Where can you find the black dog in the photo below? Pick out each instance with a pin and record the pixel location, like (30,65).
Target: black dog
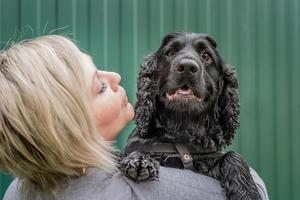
(187,112)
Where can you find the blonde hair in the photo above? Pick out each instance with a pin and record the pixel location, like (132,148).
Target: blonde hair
(47,132)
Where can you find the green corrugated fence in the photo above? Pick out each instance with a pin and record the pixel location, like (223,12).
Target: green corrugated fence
(259,37)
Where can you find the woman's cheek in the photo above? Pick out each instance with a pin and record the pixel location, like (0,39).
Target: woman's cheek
(107,113)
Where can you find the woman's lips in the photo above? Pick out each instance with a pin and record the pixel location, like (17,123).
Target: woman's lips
(125,100)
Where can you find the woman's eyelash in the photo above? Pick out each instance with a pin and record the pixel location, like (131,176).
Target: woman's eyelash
(103,86)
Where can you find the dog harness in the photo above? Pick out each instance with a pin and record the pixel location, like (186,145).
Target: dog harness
(181,149)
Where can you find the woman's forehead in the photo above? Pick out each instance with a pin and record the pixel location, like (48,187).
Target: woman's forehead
(89,68)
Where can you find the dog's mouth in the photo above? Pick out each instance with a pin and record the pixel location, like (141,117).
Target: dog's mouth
(183,92)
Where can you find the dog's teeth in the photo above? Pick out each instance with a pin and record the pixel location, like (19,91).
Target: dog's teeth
(182,91)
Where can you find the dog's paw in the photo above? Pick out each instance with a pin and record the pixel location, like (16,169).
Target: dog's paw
(139,167)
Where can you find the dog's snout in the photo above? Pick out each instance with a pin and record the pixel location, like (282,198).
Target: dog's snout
(187,67)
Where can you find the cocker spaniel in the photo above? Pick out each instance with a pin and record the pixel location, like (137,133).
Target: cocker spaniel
(187,111)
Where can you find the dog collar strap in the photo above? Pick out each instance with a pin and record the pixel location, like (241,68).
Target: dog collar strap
(154,148)
(181,149)
(185,156)
(166,148)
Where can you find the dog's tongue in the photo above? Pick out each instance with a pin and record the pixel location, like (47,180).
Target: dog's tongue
(181,91)
(184,91)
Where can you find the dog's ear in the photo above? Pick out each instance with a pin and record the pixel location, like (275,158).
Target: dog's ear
(145,105)
(228,103)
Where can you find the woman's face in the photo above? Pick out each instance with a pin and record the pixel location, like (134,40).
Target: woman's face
(110,104)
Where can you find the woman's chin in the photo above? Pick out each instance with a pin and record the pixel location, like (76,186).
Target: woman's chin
(130,112)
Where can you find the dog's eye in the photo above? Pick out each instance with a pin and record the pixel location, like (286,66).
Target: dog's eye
(207,57)
(170,52)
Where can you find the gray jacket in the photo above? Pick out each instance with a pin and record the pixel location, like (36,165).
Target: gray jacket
(173,184)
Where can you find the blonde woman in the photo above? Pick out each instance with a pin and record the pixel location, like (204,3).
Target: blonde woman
(56,112)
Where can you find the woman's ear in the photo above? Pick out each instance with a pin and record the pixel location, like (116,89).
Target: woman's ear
(145,105)
(228,103)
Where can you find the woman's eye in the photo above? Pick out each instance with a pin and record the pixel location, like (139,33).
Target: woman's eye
(102,87)
(207,58)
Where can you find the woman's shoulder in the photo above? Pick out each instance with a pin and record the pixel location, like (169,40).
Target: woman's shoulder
(172,184)
(96,184)
(13,191)
(179,184)
(185,184)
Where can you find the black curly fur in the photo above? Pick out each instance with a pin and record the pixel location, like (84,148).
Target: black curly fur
(206,127)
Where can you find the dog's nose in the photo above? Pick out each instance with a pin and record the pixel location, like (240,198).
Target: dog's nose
(187,67)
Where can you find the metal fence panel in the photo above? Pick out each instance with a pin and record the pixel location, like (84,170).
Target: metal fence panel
(260,37)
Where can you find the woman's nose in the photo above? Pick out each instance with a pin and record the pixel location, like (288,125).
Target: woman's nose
(114,79)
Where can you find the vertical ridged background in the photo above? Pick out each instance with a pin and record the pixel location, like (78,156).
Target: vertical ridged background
(259,37)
